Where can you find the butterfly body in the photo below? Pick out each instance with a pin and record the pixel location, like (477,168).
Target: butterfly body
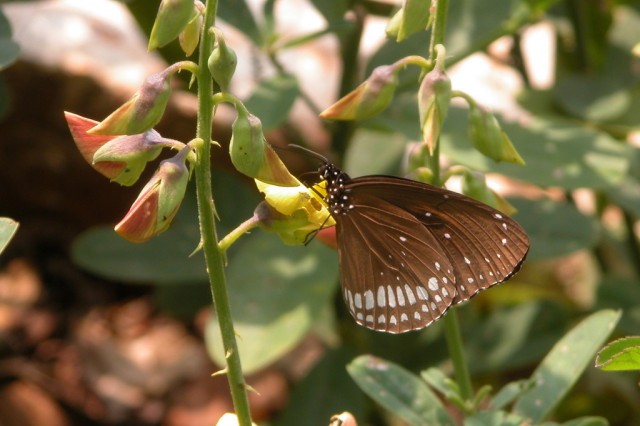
(408,251)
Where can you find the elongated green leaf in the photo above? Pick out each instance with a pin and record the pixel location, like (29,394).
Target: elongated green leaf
(272,100)
(555,229)
(493,418)
(325,391)
(582,421)
(564,364)
(399,391)
(509,393)
(8,228)
(619,355)
(277,292)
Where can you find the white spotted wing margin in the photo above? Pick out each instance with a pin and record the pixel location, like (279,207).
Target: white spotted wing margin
(395,276)
(484,246)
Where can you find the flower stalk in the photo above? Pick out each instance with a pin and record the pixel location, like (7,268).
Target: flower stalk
(213,253)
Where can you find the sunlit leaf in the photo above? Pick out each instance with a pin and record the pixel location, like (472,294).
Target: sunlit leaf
(399,391)
(564,364)
(277,293)
(619,355)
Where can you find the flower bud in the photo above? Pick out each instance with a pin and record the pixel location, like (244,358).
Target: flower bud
(295,212)
(411,18)
(190,36)
(488,137)
(343,419)
(120,158)
(368,99)
(172,18)
(158,202)
(434,96)
(253,156)
(222,62)
(475,186)
(143,111)
(230,419)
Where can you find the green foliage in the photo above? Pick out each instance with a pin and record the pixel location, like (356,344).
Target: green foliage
(410,397)
(573,138)
(277,296)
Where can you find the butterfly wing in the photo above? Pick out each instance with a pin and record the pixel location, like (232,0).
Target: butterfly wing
(483,245)
(394,275)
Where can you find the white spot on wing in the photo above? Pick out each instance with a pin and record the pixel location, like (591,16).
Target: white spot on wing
(417,315)
(403,239)
(393,320)
(368,300)
(381,297)
(404,317)
(400,296)
(358,300)
(410,296)
(422,293)
(433,283)
(391,297)
(382,319)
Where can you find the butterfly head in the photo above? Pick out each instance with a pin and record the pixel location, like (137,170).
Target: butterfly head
(338,194)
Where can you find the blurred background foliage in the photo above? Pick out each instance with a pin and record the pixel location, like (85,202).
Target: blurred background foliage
(578,197)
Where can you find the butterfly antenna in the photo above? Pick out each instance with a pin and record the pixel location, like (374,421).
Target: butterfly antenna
(309,152)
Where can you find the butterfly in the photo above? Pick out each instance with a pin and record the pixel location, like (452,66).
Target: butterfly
(408,251)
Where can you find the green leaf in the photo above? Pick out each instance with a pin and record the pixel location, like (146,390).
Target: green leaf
(272,100)
(371,152)
(555,229)
(413,17)
(166,259)
(493,418)
(238,14)
(594,98)
(399,391)
(509,393)
(564,364)
(9,49)
(620,355)
(626,194)
(513,337)
(8,228)
(556,153)
(325,391)
(582,421)
(621,293)
(277,293)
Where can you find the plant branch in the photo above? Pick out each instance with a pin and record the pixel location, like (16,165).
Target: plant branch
(214,256)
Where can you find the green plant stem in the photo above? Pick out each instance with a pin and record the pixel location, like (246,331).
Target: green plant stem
(452,326)
(456,351)
(214,256)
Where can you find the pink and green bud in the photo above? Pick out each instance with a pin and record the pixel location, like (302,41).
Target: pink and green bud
(293,212)
(475,186)
(488,137)
(158,202)
(253,156)
(222,62)
(411,18)
(368,99)
(172,18)
(143,111)
(434,97)
(190,36)
(120,158)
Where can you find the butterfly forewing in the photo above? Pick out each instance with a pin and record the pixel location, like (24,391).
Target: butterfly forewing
(394,275)
(409,250)
(484,245)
